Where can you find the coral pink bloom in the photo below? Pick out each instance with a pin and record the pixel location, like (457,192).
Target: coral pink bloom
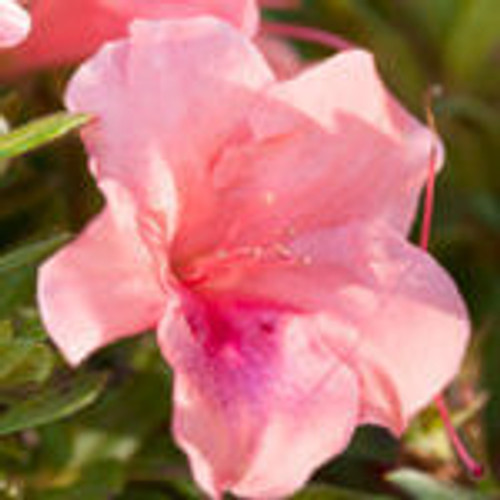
(14,23)
(260,226)
(66,31)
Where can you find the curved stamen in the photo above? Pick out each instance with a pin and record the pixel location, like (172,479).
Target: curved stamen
(307,34)
(431,176)
(474,468)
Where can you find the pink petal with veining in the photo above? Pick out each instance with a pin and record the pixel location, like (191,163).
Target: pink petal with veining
(104,285)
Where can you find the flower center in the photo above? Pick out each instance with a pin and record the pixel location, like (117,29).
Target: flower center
(201,271)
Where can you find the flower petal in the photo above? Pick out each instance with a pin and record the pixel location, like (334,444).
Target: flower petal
(167,99)
(417,338)
(412,326)
(15,24)
(102,286)
(261,396)
(69,31)
(243,14)
(328,147)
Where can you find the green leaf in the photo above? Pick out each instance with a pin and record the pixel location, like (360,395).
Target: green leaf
(31,254)
(423,487)
(17,272)
(17,288)
(28,325)
(25,362)
(39,132)
(26,358)
(53,403)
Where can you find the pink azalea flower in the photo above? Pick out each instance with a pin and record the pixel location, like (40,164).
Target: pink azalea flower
(260,226)
(14,24)
(67,31)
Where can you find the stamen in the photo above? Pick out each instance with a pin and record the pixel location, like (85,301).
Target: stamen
(307,34)
(474,468)
(283,251)
(204,270)
(431,175)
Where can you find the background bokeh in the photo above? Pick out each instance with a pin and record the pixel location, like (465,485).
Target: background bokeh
(102,432)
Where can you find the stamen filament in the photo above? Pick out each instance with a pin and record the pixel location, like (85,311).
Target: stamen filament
(431,178)
(204,270)
(474,468)
(307,34)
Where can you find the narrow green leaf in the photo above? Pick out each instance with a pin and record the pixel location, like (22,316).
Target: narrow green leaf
(423,487)
(17,289)
(26,357)
(31,254)
(12,355)
(39,132)
(53,403)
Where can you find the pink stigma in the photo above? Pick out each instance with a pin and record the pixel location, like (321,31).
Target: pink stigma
(307,34)
(474,468)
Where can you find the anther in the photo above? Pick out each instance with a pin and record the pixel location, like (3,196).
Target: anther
(283,251)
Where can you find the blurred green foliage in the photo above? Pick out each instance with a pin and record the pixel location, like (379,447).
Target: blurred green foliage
(103,431)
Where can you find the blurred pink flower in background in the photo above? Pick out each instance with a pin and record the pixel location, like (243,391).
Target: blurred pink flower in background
(14,24)
(67,31)
(261,227)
